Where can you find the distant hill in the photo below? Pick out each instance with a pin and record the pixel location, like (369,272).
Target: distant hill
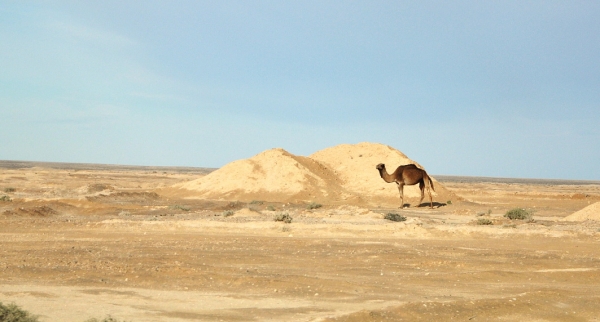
(9,164)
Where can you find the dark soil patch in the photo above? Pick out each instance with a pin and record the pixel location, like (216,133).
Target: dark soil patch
(127,197)
(42,211)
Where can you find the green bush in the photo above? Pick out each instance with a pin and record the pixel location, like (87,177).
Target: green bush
(394,217)
(314,205)
(484,221)
(519,213)
(285,217)
(13,313)
(5,198)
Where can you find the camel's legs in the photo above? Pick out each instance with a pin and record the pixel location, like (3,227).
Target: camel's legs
(428,184)
(422,187)
(401,191)
(430,198)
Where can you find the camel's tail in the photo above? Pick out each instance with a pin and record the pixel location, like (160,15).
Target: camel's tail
(430,181)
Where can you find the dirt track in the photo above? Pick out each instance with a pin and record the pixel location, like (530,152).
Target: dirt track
(81,243)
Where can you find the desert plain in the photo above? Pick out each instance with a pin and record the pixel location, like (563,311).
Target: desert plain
(81,241)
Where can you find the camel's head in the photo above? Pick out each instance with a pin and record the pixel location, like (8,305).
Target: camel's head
(380,167)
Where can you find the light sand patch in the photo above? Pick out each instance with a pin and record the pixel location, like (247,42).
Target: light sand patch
(137,304)
(582,269)
(591,212)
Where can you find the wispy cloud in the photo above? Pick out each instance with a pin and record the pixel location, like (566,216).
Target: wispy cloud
(157,96)
(63,110)
(89,34)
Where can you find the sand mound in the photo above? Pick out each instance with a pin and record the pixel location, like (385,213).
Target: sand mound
(273,175)
(591,212)
(355,165)
(342,174)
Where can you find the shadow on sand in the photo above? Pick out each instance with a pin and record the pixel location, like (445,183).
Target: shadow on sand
(426,204)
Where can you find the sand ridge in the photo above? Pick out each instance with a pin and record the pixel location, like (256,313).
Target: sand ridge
(591,212)
(342,174)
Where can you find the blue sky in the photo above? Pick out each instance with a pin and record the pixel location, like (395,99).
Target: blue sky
(482,88)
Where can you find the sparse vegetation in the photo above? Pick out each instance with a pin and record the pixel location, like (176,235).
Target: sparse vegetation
(97,187)
(256,202)
(235,205)
(270,208)
(108,318)
(228,213)
(255,209)
(5,198)
(394,217)
(9,189)
(449,202)
(314,205)
(181,207)
(285,217)
(13,313)
(124,213)
(519,214)
(484,221)
(483,213)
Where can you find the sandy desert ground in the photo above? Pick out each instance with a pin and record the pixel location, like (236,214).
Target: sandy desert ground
(83,241)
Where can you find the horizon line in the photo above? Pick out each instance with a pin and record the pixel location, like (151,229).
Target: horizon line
(21,164)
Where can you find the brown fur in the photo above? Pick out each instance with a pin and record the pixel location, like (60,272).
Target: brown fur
(408,174)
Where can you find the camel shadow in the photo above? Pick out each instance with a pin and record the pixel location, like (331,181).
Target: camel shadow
(426,204)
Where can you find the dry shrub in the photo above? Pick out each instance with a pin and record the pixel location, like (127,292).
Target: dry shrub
(108,318)
(13,313)
(394,217)
(314,205)
(285,217)
(180,207)
(519,214)
(484,221)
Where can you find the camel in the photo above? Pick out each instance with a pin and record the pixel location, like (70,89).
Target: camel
(408,174)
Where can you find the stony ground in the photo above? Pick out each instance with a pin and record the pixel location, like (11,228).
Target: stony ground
(87,242)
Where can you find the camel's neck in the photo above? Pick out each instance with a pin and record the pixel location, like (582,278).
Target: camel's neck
(386,176)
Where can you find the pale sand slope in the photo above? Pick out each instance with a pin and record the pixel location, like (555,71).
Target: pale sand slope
(591,212)
(273,175)
(354,165)
(341,174)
